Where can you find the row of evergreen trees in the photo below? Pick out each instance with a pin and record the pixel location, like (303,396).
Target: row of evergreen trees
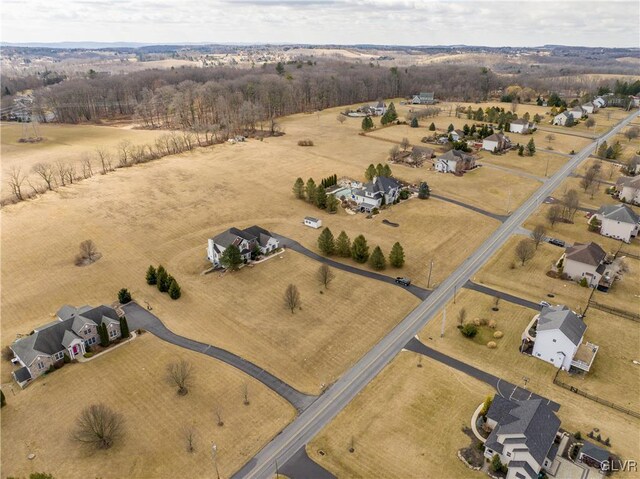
(164,281)
(329,181)
(378,170)
(530,148)
(609,152)
(315,194)
(359,250)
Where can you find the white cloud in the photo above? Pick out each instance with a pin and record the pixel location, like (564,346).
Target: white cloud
(427,22)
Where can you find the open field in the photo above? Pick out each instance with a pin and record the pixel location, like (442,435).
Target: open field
(530,281)
(629,148)
(538,164)
(624,293)
(407,421)
(63,143)
(576,413)
(132,380)
(613,375)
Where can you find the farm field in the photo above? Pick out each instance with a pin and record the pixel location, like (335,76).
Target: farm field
(530,281)
(613,376)
(576,413)
(398,424)
(132,380)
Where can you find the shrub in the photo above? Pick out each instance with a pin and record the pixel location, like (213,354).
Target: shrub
(152,276)
(492,345)
(305,143)
(88,355)
(493,324)
(404,194)
(174,290)
(469,330)
(66,358)
(375,211)
(124,296)
(498,334)
(496,464)
(578,436)
(584,283)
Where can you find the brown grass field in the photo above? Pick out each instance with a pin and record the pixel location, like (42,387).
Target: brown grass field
(407,421)
(576,412)
(132,380)
(538,164)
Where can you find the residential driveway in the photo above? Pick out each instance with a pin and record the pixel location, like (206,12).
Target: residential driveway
(295,246)
(501,218)
(301,466)
(503,296)
(502,387)
(139,318)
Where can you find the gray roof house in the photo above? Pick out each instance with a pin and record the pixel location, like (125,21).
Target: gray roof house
(585,261)
(381,191)
(595,456)
(424,98)
(523,435)
(71,334)
(454,161)
(618,221)
(559,334)
(246,240)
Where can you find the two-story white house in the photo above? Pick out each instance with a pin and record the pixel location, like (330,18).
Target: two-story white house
(617,221)
(496,142)
(590,108)
(600,102)
(520,126)
(584,261)
(561,118)
(523,434)
(71,334)
(248,241)
(558,339)
(381,191)
(454,161)
(628,188)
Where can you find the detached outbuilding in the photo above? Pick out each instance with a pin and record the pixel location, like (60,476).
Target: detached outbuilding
(312,222)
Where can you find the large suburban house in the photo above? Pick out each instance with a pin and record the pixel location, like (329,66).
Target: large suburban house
(419,154)
(523,434)
(628,188)
(558,339)
(600,102)
(590,107)
(381,191)
(70,335)
(496,142)
(377,109)
(617,221)
(247,241)
(584,261)
(561,118)
(424,98)
(577,112)
(454,161)
(521,126)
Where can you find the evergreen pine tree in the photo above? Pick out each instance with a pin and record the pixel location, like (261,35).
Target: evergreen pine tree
(423,191)
(104,335)
(360,250)
(174,290)
(161,276)
(379,169)
(386,171)
(396,257)
(298,189)
(343,245)
(390,115)
(432,127)
(450,128)
(332,204)
(326,243)
(321,197)
(311,190)
(367,123)
(152,276)
(521,150)
(531,147)
(377,260)
(124,296)
(370,173)
(231,258)
(124,327)
(414,122)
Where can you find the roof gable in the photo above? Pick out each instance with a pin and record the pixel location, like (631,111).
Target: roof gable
(620,213)
(562,319)
(591,253)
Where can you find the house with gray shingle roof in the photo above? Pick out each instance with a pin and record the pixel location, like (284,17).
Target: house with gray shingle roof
(248,241)
(71,334)
(628,187)
(523,434)
(617,221)
(382,190)
(454,161)
(584,261)
(595,456)
(561,118)
(558,339)
(424,98)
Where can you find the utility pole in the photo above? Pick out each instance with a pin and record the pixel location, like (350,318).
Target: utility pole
(444,318)
(430,269)
(509,201)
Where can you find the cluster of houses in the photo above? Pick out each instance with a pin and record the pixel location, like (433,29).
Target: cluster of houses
(70,335)
(556,335)
(579,111)
(527,438)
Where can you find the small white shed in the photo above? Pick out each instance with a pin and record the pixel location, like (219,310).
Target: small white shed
(312,222)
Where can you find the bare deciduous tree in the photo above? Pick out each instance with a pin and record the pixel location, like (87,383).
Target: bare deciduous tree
(124,150)
(632,133)
(105,159)
(189,433)
(341,119)
(570,204)
(98,426)
(525,250)
(44,171)
(245,394)
(16,179)
(405,144)
(550,137)
(554,214)
(538,234)
(180,373)
(218,412)
(325,275)
(292,297)
(589,177)
(88,252)
(394,153)
(462,315)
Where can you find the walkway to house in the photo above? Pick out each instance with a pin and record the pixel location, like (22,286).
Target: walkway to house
(421,293)
(81,359)
(495,216)
(502,387)
(474,423)
(301,466)
(139,318)
(502,295)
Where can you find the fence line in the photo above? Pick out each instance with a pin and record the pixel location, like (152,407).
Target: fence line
(616,311)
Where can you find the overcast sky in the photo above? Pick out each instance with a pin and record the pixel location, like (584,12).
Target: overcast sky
(612,23)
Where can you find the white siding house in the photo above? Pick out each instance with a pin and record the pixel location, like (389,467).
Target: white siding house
(628,188)
(454,161)
(561,119)
(381,191)
(247,241)
(584,261)
(497,141)
(520,126)
(618,221)
(590,108)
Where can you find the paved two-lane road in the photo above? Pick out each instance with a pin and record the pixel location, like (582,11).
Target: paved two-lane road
(310,422)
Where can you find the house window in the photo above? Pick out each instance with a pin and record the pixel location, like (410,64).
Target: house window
(58,356)
(113,333)
(40,365)
(509,454)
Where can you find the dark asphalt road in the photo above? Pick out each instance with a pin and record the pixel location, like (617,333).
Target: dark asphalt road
(503,296)
(139,318)
(502,387)
(295,246)
(301,466)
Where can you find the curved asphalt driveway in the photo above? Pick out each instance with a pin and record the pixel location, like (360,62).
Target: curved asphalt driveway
(295,246)
(139,318)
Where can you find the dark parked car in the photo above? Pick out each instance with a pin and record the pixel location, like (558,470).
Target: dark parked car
(403,281)
(556,242)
